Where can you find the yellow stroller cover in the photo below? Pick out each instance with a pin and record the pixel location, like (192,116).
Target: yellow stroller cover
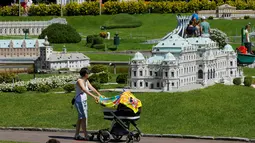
(126,98)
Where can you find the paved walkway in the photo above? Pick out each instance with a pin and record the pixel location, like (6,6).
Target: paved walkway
(66,137)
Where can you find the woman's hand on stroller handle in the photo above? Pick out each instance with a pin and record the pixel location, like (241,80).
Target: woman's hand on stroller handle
(96,98)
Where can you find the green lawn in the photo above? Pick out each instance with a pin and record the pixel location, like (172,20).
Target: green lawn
(154,26)
(219,110)
(249,71)
(108,57)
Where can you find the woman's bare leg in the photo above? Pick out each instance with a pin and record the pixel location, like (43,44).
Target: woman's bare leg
(84,126)
(78,126)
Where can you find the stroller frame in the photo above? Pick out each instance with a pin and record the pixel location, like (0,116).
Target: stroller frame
(119,127)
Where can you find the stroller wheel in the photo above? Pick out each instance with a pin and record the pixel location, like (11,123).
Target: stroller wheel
(117,137)
(129,139)
(104,136)
(137,138)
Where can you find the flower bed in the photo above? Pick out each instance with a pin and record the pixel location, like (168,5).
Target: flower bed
(35,84)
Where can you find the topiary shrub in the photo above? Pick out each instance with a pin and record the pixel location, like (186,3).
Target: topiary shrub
(94,78)
(68,88)
(237,81)
(43,88)
(210,17)
(19,89)
(246,17)
(104,77)
(247,81)
(122,21)
(122,78)
(96,41)
(90,38)
(61,33)
(96,85)
(99,68)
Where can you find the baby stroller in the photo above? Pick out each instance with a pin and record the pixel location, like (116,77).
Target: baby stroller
(121,118)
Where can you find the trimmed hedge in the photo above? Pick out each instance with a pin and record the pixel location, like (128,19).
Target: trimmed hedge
(122,78)
(94,78)
(247,81)
(61,33)
(237,81)
(131,7)
(104,77)
(99,68)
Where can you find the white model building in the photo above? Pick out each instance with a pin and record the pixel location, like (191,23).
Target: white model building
(178,62)
(50,60)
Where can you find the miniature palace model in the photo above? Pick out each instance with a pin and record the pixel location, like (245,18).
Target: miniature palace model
(177,61)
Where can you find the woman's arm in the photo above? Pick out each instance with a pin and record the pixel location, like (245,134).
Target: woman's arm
(81,85)
(93,89)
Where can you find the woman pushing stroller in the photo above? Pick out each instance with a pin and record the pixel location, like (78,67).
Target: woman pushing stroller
(82,87)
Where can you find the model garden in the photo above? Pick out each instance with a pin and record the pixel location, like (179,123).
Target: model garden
(44,102)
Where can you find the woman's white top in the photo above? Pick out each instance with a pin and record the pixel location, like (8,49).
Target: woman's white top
(80,95)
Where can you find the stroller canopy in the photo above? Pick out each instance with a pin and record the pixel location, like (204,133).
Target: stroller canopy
(126,98)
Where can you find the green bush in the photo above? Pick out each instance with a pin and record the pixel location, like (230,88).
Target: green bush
(68,88)
(122,21)
(43,88)
(237,81)
(246,17)
(45,10)
(8,77)
(99,68)
(104,77)
(247,81)
(97,40)
(90,38)
(99,46)
(89,8)
(94,78)
(122,78)
(96,85)
(19,89)
(61,33)
(10,10)
(210,17)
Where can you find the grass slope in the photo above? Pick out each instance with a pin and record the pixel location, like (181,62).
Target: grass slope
(218,111)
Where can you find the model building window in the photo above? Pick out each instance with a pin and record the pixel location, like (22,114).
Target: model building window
(172,74)
(150,73)
(134,84)
(158,84)
(146,84)
(141,73)
(134,73)
(156,73)
(166,74)
(141,84)
(231,63)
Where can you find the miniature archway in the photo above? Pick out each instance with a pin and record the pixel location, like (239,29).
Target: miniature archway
(200,74)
